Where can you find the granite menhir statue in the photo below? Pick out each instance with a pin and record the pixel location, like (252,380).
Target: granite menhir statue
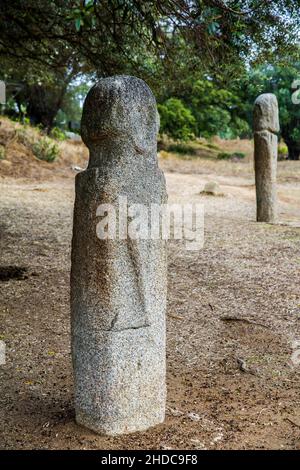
(118,284)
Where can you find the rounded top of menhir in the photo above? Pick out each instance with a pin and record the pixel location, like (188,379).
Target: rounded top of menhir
(265,116)
(120,107)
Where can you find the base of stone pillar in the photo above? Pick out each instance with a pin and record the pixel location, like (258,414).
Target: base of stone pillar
(118,427)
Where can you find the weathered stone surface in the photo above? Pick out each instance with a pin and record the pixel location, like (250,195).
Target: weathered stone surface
(118,287)
(266,113)
(265,156)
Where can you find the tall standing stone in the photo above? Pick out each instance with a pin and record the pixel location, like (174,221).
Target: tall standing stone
(118,286)
(266,125)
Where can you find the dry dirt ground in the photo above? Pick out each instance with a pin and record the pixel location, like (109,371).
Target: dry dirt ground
(233,318)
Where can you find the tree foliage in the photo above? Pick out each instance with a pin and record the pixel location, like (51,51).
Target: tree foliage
(176,120)
(48,44)
(113,35)
(212,110)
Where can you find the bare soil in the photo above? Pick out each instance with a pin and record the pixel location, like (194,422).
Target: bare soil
(233,316)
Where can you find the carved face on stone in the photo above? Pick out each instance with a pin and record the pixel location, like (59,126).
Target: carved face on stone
(120,108)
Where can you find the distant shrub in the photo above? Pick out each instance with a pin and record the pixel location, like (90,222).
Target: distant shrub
(224,156)
(58,134)
(163,154)
(25,121)
(282,152)
(212,146)
(230,156)
(239,155)
(22,136)
(45,149)
(161,143)
(182,148)
(176,120)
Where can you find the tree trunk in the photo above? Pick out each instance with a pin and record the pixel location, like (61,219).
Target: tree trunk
(294,150)
(44,103)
